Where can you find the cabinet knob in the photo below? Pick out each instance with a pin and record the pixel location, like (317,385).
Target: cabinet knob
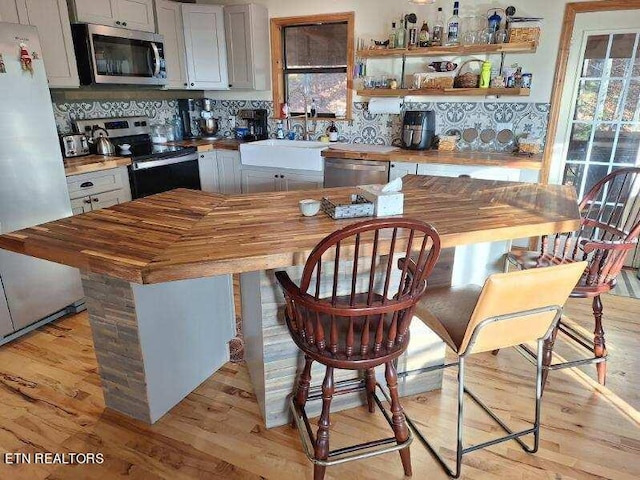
(281,176)
(124,24)
(201,156)
(275,176)
(393,166)
(230,85)
(87,201)
(118,22)
(86,185)
(95,199)
(193,84)
(186,84)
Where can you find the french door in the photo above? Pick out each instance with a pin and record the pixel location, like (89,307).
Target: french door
(599,125)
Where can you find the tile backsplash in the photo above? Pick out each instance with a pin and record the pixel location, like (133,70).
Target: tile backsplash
(521,117)
(159,111)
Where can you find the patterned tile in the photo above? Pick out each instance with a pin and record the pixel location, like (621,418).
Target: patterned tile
(159,111)
(522,117)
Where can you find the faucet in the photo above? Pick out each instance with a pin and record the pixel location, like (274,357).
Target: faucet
(305,119)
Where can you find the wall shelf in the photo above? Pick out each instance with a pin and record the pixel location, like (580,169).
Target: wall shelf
(462,50)
(463,92)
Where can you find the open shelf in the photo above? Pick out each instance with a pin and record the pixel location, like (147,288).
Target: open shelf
(498,48)
(463,92)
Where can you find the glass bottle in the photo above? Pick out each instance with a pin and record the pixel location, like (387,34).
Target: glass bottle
(424,35)
(438,28)
(333,132)
(453,27)
(392,36)
(401,36)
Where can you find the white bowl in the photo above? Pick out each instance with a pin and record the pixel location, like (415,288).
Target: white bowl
(309,207)
(125,147)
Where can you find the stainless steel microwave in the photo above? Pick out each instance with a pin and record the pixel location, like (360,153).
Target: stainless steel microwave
(108,55)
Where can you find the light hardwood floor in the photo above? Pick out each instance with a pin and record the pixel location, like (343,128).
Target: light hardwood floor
(50,400)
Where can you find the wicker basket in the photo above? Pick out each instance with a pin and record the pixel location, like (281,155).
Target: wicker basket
(524,34)
(467,79)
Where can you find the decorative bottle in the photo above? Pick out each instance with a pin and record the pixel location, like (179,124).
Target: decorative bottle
(424,35)
(401,36)
(485,75)
(453,27)
(392,36)
(333,132)
(438,29)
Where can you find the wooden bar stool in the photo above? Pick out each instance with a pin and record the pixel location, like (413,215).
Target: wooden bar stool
(354,314)
(510,309)
(609,230)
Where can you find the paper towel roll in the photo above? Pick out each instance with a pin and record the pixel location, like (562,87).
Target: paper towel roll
(385,105)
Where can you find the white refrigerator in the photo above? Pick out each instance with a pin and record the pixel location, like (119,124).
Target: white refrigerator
(33,187)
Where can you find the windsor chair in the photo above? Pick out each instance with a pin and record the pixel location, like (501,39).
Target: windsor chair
(609,229)
(352,310)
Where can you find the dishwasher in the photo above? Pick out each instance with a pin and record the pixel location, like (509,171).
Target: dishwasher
(348,173)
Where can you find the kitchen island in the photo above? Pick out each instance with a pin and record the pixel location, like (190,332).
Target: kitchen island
(157,276)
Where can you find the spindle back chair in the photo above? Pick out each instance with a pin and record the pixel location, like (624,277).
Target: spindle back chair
(609,230)
(352,310)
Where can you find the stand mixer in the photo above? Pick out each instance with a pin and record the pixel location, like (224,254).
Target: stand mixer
(208,124)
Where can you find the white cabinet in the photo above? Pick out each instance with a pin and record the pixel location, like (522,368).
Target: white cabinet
(96,190)
(169,24)
(247,36)
(51,18)
(258,179)
(132,14)
(400,169)
(220,171)
(486,173)
(206,51)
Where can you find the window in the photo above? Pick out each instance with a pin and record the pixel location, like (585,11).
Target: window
(312,61)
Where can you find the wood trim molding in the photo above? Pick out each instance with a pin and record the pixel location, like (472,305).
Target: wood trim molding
(571,10)
(277,61)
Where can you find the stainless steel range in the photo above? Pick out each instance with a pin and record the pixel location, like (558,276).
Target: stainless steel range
(155,168)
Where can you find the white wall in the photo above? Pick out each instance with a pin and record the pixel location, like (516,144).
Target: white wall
(374,17)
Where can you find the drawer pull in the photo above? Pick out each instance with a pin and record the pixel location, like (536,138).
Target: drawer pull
(86,185)
(464,175)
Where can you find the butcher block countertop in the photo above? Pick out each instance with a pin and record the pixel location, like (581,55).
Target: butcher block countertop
(489,159)
(206,145)
(93,163)
(185,234)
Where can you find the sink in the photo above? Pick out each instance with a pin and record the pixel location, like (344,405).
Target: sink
(296,154)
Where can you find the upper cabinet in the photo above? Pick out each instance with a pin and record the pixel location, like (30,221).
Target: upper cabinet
(132,14)
(170,25)
(51,18)
(206,52)
(247,38)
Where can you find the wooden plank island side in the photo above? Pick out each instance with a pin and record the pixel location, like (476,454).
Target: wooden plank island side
(491,159)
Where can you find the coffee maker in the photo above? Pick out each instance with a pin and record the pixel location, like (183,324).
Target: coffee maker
(418,129)
(256,122)
(189,116)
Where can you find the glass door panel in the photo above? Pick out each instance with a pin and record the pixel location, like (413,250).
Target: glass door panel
(126,57)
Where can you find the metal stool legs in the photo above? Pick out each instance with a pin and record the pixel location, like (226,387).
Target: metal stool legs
(511,435)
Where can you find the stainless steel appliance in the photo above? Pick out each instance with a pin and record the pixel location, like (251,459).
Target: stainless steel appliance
(33,190)
(188,112)
(74,145)
(418,129)
(208,123)
(347,173)
(256,122)
(108,55)
(155,168)
(103,145)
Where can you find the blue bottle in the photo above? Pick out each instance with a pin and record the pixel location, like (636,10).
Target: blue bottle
(494,21)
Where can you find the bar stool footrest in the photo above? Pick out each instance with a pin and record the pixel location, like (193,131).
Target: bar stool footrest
(352,452)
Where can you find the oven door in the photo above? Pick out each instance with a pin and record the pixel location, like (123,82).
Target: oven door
(120,56)
(155,176)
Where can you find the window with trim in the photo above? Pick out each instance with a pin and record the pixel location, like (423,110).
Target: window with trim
(312,62)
